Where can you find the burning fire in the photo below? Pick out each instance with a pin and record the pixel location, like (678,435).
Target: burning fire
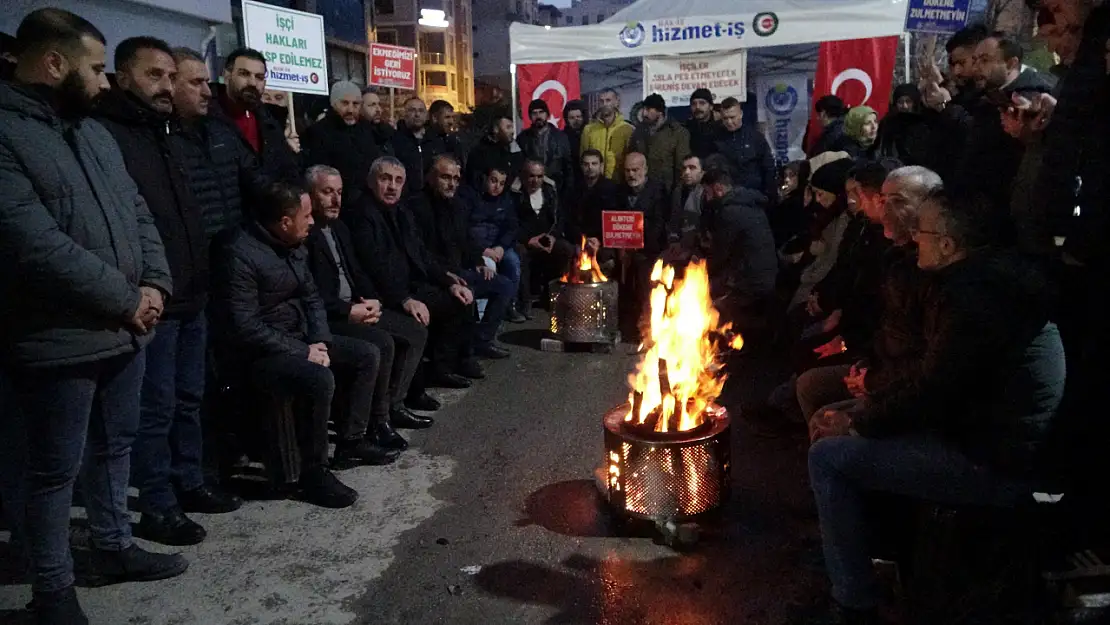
(586,270)
(680,375)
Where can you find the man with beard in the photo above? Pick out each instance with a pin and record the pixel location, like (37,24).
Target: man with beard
(343,140)
(414,145)
(544,143)
(84,281)
(493,151)
(372,112)
(702,127)
(269,322)
(686,202)
(574,116)
(355,310)
(596,194)
(443,129)
(389,247)
(444,223)
(221,169)
(239,102)
(609,134)
(663,141)
(167,450)
(748,153)
(543,250)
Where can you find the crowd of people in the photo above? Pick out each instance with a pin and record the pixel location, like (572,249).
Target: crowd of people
(165,237)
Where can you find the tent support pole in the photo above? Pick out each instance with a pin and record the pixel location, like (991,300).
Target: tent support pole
(906,56)
(512,76)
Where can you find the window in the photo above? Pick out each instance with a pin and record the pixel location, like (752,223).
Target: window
(383,7)
(600,18)
(519,7)
(570,20)
(387,36)
(344,64)
(585,19)
(453,83)
(435,79)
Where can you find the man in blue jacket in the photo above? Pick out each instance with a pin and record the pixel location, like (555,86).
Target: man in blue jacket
(492,229)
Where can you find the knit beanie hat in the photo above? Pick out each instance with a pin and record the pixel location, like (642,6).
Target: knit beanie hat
(538,105)
(344,89)
(655,102)
(832,176)
(702,94)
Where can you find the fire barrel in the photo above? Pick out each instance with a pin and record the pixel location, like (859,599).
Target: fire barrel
(584,313)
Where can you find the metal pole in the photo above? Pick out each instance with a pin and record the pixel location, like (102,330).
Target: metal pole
(512,75)
(392,100)
(906,54)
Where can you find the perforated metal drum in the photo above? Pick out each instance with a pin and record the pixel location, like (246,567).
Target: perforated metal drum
(584,313)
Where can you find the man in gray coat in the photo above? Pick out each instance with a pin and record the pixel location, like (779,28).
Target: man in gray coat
(83,281)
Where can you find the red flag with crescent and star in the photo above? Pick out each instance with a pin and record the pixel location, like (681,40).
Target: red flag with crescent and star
(554,83)
(859,71)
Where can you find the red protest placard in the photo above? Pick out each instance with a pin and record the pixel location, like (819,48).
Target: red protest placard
(622,229)
(392,66)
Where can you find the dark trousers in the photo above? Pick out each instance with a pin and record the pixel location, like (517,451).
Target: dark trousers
(451,328)
(353,361)
(168,446)
(406,338)
(538,267)
(72,421)
(499,292)
(386,349)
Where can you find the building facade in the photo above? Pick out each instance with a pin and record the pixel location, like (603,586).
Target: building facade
(491,37)
(445,65)
(583,12)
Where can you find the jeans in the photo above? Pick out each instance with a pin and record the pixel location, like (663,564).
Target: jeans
(510,266)
(498,292)
(77,421)
(820,387)
(843,469)
(169,444)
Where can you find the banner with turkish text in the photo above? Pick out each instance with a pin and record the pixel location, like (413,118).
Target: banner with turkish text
(554,83)
(784,108)
(725,75)
(858,71)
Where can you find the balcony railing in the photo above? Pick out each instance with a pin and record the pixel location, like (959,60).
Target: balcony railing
(434,58)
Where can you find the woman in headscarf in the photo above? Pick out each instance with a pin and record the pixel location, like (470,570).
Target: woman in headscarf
(861,126)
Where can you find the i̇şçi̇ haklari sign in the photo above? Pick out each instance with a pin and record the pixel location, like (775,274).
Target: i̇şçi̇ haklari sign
(293,44)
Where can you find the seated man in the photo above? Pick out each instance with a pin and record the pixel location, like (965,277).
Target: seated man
(735,238)
(269,320)
(966,424)
(491,230)
(544,252)
(596,194)
(389,247)
(442,220)
(354,310)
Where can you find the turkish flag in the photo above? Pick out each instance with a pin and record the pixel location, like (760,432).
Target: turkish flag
(859,71)
(554,83)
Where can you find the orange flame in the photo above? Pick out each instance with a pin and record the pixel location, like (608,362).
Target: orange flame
(586,269)
(680,375)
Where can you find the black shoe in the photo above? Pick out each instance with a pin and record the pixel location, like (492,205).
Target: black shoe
(491,351)
(408,421)
(515,316)
(170,527)
(208,500)
(423,403)
(449,380)
(322,488)
(388,438)
(524,309)
(471,369)
(135,564)
(59,607)
(362,451)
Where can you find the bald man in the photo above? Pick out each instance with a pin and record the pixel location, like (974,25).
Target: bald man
(343,139)
(640,194)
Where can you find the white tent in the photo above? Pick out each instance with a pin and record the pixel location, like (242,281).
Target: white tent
(781,34)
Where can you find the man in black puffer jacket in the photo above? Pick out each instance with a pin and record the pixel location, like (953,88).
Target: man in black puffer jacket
(223,173)
(343,140)
(139,114)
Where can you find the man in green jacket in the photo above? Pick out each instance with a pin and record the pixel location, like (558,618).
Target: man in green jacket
(663,141)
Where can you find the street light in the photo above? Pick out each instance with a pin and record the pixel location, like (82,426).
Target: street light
(433,18)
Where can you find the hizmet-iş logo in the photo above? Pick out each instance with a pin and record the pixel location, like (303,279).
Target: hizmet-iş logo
(632,35)
(765,24)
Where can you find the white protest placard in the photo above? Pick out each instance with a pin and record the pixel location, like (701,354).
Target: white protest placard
(293,44)
(675,78)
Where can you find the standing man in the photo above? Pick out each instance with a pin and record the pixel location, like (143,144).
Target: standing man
(574,116)
(493,151)
(167,450)
(240,103)
(748,153)
(343,140)
(609,134)
(443,129)
(702,127)
(372,113)
(414,146)
(663,141)
(544,143)
(84,281)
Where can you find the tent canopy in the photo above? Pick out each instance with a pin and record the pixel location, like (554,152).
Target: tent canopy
(664,27)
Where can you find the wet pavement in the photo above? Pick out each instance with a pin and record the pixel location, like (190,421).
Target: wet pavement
(493,518)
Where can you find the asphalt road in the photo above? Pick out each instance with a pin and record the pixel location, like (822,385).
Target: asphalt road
(492,518)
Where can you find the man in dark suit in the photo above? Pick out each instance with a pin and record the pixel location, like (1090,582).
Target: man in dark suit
(388,245)
(596,194)
(355,310)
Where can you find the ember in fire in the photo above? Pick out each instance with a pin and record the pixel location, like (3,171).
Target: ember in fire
(586,269)
(680,375)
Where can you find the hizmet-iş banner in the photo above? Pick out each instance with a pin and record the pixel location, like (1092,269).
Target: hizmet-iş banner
(293,44)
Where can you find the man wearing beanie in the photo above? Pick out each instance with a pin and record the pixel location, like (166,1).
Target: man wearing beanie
(343,140)
(702,127)
(609,134)
(663,141)
(544,143)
